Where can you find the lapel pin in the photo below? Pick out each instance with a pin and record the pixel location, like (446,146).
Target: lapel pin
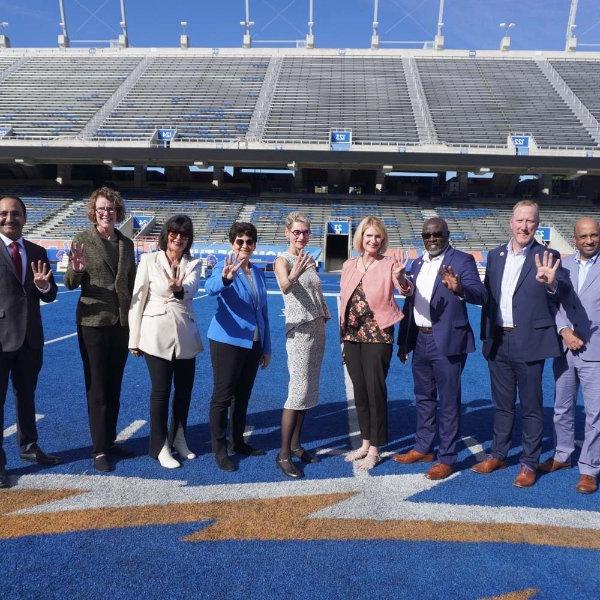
(501,253)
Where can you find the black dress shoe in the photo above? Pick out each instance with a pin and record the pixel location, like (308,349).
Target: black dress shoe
(4,480)
(102,464)
(120,451)
(224,462)
(35,454)
(288,467)
(304,455)
(247,450)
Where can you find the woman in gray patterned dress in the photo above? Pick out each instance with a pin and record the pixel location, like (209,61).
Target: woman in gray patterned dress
(305,316)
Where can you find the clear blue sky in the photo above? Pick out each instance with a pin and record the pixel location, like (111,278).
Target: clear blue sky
(540,24)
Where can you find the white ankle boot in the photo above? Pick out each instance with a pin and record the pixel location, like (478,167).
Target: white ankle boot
(180,445)
(165,458)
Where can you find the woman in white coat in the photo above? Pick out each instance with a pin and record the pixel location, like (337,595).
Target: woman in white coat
(162,328)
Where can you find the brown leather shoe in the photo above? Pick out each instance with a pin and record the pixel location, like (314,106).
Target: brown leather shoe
(440,471)
(587,484)
(413,456)
(551,465)
(525,478)
(489,465)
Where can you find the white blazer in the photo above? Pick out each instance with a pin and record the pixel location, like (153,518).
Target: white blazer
(159,323)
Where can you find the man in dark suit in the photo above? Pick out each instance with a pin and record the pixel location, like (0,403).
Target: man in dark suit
(524,285)
(21,335)
(437,330)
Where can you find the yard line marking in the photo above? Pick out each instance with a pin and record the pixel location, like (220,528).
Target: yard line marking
(60,339)
(12,429)
(474,447)
(353,429)
(199,297)
(130,430)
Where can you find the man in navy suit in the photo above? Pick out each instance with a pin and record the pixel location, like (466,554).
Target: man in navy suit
(524,284)
(25,279)
(437,330)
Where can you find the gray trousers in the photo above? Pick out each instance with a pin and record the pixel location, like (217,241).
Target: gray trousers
(570,371)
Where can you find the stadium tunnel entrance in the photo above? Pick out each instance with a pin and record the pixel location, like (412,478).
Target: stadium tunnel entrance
(337,244)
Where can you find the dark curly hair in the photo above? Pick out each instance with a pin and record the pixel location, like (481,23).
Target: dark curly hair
(242,228)
(177,224)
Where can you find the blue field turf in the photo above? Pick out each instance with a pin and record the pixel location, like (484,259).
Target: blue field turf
(154,562)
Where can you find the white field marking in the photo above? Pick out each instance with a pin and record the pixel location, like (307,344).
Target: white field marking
(474,447)
(130,430)
(60,339)
(353,429)
(48,303)
(12,429)
(339,451)
(381,498)
(199,297)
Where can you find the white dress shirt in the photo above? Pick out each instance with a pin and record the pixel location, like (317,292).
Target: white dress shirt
(510,277)
(424,289)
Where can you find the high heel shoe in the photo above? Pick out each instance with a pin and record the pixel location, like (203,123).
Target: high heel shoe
(304,455)
(180,445)
(165,458)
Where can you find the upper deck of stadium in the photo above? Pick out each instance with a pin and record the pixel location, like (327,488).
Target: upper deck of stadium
(424,101)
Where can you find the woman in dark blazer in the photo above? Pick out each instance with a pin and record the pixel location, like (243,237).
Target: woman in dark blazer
(240,341)
(102,263)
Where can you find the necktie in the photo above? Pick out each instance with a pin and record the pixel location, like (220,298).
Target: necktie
(16,258)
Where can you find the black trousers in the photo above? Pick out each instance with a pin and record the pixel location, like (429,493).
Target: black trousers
(162,374)
(104,354)
(234,371)
(507,375)
(368,366)
(23,367)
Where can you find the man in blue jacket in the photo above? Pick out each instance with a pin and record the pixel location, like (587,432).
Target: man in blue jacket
(437,330)
(524,284)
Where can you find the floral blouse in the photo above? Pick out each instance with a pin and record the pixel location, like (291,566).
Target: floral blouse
(360,325)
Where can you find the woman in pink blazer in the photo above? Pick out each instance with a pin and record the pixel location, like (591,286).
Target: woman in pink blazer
(368,312)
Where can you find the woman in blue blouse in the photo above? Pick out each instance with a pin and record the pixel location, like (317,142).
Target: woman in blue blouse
(240,341)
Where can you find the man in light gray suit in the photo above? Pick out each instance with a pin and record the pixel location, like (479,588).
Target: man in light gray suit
(578,323)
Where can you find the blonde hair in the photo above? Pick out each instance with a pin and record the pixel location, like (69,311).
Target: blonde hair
(296,217)
(526,203)
(367,222)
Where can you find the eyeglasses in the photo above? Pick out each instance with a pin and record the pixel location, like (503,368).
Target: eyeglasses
(178,234)
(298,232)
(240,242)
(434,234)
(104,209)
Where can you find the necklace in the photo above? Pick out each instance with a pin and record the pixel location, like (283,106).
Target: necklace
(366,267)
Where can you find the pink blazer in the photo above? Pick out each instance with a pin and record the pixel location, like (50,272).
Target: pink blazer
(379,284)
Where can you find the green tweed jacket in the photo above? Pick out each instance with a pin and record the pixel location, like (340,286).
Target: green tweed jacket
(105,295)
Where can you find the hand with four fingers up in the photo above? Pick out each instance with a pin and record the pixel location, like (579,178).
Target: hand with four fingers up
(546,269)
(41,275)
(451,280)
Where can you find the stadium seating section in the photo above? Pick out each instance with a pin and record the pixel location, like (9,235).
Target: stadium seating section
(274,97)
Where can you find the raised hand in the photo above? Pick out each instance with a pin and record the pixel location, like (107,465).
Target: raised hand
(546,268)
(231,267)
(77,257)
(174,279)
(451,279)
(571,339)
(41,274)
(302,263)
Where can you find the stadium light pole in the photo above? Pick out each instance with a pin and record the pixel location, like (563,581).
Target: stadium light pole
(439,37)
(571,41)
(123,39)
(375,34)
(63,38)
(505,41)
(4,39)
(310,38)
(184,39)
(247,23)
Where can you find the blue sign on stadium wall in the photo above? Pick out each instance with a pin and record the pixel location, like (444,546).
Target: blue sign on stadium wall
(165,135)
(265,253)
(521,144)
(338,227)
(543,233)
(340,139)
(139,221)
